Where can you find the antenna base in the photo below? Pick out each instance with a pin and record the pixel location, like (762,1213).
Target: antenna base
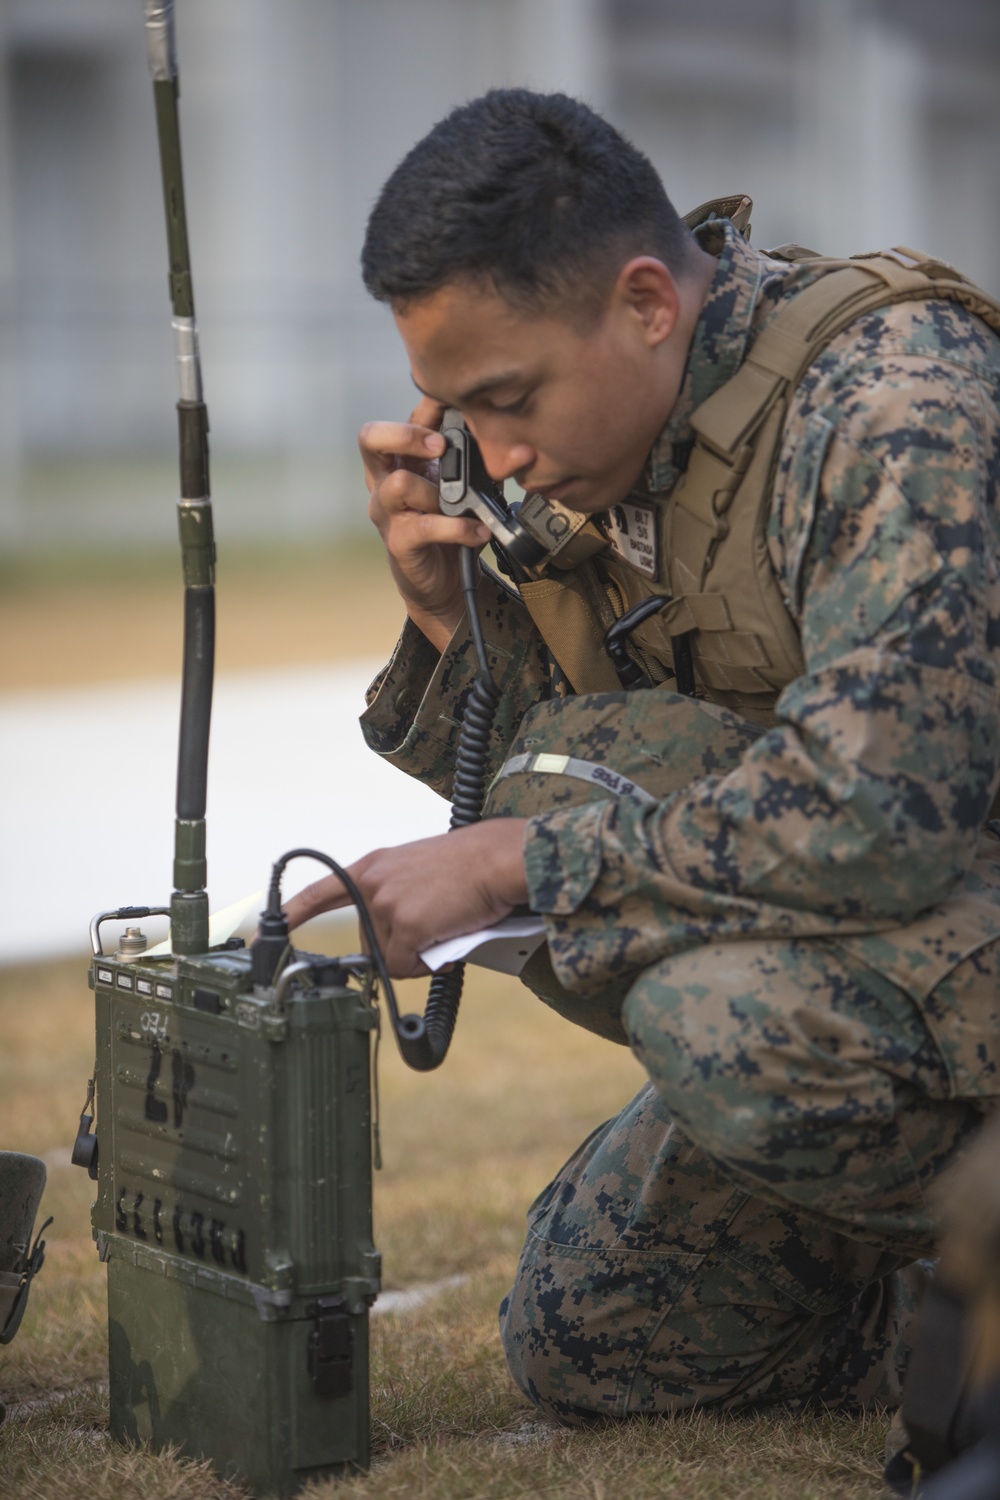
(189,922)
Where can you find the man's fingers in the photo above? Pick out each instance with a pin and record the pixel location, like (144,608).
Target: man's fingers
(428,413)
(403,963)
(384,445)
(420,893)
(402,958)
(398,438)
(326,894)
(403,490)
(406,500)
(409,532)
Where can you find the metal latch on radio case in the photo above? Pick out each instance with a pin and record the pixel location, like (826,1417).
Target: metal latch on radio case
(330,1353)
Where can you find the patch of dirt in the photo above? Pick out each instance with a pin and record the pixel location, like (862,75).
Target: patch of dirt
(326,606)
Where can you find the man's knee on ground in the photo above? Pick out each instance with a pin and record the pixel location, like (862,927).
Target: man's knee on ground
(535,1365)
(569,1359)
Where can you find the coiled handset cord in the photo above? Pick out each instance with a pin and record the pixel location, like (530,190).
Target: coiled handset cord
(423,1040)
(425,1046)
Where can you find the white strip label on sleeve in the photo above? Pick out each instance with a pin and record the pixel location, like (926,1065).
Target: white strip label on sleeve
(583,770)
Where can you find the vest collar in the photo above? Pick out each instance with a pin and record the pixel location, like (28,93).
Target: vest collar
(717,348)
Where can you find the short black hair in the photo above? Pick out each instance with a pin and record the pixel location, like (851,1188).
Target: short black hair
(533,194)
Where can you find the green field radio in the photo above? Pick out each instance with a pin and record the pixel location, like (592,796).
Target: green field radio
(232,1087)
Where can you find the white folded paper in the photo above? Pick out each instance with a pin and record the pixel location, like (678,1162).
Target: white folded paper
(506,947)
(221,924)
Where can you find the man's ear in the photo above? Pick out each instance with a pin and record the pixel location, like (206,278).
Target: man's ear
(646,289)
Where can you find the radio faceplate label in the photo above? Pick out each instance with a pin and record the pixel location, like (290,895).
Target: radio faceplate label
(155,1023)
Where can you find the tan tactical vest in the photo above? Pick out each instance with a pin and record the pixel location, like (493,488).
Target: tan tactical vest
(715,569)
(723,596)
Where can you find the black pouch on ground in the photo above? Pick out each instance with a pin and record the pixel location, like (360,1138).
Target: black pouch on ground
(22,1182)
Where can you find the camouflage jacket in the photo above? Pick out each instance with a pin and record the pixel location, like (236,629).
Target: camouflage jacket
(862,808)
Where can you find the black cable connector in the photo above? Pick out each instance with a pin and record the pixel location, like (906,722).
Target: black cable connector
(274,926)
(271,942)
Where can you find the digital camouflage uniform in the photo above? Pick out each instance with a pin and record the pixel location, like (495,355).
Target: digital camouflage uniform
(798,937)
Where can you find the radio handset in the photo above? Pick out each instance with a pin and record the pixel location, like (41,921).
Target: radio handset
(536,534)
(466,489)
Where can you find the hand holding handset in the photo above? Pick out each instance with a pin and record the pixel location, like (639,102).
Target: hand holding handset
(536,533)
(466,489)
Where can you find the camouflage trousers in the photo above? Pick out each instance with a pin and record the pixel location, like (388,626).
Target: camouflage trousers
(749,1229)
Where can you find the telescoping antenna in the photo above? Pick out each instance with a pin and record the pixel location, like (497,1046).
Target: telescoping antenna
(189,902)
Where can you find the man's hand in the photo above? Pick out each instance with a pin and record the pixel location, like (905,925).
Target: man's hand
(421,893)
(400,460)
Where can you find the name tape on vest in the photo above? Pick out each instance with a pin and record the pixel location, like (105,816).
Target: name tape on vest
(633,536)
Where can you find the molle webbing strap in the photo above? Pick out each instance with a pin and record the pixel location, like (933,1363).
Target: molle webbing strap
(793,252)
(739,427)
(704,495)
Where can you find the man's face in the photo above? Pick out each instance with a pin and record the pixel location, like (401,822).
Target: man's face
(566,408)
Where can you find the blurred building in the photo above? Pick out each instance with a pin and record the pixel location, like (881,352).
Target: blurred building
(852,123)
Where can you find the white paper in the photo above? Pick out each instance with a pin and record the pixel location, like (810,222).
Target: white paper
(506,947)
(221,924)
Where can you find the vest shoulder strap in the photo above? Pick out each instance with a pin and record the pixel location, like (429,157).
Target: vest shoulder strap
(805,323)
(738,434)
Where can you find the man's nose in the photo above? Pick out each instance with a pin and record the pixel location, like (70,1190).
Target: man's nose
(504,459)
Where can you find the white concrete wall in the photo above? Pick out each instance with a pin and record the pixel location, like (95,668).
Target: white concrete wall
(861,101)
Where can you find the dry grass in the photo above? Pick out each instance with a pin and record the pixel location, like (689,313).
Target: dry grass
(466,1149)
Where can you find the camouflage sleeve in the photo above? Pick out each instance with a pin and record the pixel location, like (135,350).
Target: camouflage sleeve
(862,806)
(415,704)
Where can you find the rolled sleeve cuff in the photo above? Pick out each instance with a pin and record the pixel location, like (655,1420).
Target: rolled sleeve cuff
(580,880)
(611,899)
(393,699)
(562,857)
(415,705)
